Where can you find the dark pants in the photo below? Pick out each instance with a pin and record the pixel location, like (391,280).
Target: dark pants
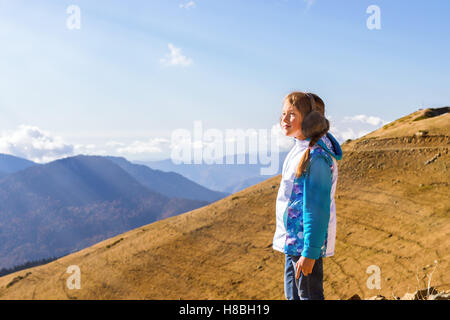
(304,288)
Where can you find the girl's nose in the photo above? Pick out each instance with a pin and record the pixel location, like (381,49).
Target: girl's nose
(284,119)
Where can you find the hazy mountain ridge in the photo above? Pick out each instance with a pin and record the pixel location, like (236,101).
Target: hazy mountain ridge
(223,177)
(170,184)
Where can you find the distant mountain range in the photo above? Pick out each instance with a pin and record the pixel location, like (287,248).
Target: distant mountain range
(224,177)
(170,184)
(65,205)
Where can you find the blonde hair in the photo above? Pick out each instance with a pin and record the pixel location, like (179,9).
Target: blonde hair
(314,124)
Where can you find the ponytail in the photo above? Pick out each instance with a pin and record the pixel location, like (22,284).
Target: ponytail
(314,126)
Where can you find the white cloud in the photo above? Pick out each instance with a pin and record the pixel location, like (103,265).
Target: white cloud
(175,58)
(155,145)
(114,144)
(348,133)
(88,149)
(374,121)
(354,127)
(187,5)
(34,144)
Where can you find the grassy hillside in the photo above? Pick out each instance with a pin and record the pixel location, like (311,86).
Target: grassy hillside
(392,210)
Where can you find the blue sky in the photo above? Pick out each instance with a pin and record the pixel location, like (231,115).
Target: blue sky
(137,70)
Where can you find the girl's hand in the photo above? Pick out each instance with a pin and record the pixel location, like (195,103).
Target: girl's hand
(304,265)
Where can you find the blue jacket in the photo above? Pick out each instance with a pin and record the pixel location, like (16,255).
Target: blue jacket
(307,214)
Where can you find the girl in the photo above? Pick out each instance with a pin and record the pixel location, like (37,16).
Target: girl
(305,209)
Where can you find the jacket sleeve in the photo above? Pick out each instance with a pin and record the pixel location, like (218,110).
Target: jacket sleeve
(316,206)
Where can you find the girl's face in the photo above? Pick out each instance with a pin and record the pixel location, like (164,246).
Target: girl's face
(291,122)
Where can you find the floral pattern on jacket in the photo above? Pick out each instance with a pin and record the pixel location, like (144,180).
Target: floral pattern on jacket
(293,216)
